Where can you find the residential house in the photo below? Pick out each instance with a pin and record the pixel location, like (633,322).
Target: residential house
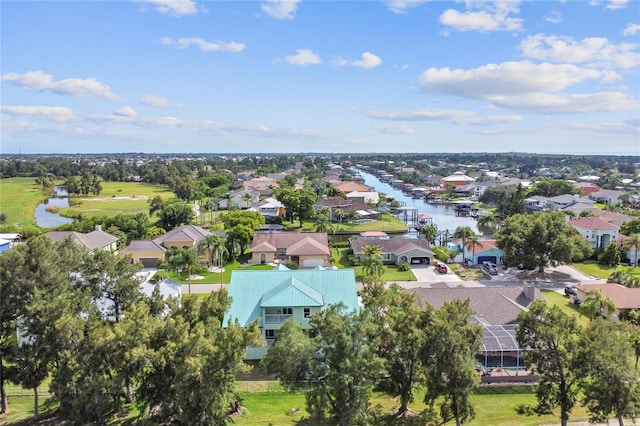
(632,253)
(269,208)
(396,250)
(457,179)
(586,188)
(307,249)
(281,293)
(243,198)
(365,197)
(485,251)
(597,232)
(496,309)
(94,240)
(149,252)
(624,298)
(606,196)
(338,203)
(350,186)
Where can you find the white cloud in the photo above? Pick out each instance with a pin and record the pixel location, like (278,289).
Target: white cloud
(125,112)
(554,17)
(172,7)
(452,115)
(38,80)
(595,51)
(396,129)
(368,60)
(550,103)
(631,29)
(617,4)
(52,113)
(484,16)
(507,78)
(402,6)
(280,9)
(152,122)
(155,101)
(524,86)
(203,45)
(302,57)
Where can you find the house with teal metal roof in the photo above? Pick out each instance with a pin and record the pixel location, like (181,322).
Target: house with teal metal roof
(281,293)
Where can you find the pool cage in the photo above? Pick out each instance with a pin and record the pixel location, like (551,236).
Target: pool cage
(499,348)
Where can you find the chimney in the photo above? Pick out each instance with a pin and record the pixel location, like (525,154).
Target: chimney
(98,227)
(529,291)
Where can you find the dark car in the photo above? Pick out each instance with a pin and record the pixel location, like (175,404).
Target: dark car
(442,268)
(570,291)
(490,267)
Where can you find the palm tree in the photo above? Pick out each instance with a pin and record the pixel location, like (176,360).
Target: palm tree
(247,197)
(463,232)
(372,260)
(339,214)
(429,232)
(473,242)
(633,241)
(322,222)
(209,244)
(487,224)
(595,304)
(187,261)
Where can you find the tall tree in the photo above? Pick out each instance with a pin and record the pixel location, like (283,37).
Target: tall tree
(610,386)
(487,224)
(463,232)
(596,304)
(429,232)
(211,244)
(541,239)
(175,215)
(186,260)
(448,357)
(348,367)
(372,260)
(552,339)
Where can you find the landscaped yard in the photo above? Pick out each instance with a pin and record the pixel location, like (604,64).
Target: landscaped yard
(552,297)
(388,224)
(340,256)
(594,269)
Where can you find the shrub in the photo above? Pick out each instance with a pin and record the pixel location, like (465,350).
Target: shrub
(403,267)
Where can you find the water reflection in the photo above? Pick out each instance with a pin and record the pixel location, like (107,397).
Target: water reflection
(47,219)
(444,217)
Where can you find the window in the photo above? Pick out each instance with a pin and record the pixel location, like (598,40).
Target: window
(287,311)
(307,312)
(270,334)
(282,252)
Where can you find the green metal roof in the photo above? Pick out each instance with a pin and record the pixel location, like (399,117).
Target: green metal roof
(252,290)
(292,293)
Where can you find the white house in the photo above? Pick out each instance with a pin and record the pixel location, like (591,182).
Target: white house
(596,231)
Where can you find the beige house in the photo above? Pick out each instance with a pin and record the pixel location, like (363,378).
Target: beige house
(94,240)
(149,252)
(307,249)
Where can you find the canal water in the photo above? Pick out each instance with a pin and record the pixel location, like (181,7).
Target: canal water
(444,216)
(46,219)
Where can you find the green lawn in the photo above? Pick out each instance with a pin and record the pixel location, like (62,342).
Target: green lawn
(19,198)
(387,224)
(118,198)
(594,269)
(340,256)
(554,298)
(273,406)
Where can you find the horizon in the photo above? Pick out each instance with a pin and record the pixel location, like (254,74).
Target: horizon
(388,76)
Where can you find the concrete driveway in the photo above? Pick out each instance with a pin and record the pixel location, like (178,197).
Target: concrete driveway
(428,273)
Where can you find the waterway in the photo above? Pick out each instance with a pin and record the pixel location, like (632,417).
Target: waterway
(444,216)
(46,219)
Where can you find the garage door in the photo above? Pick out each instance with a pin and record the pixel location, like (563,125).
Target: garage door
(312,262)
(149,262)
(493,259)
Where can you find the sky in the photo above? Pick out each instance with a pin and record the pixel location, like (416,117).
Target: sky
(302,76)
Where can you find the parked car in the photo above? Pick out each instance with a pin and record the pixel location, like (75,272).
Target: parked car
(442,268)
(492,270)
(490,267)
(570,291)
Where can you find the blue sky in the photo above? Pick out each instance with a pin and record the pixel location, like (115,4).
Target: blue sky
(320,76)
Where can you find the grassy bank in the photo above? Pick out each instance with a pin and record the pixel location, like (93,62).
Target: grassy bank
(19,198)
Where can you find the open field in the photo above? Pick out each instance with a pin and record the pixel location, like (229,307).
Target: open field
(273,406)
(387,224)
(19,198)
(118,198)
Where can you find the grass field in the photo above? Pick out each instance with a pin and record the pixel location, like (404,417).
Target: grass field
(554,298)
(391,272)
(595,269)
(118,198)
(273,406)
(19,198)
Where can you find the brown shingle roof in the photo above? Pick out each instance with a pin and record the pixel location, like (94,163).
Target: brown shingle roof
(497,305)
(140,246)
(592,223)
(623,297)
(296,243)
(93,240)
(395,245)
